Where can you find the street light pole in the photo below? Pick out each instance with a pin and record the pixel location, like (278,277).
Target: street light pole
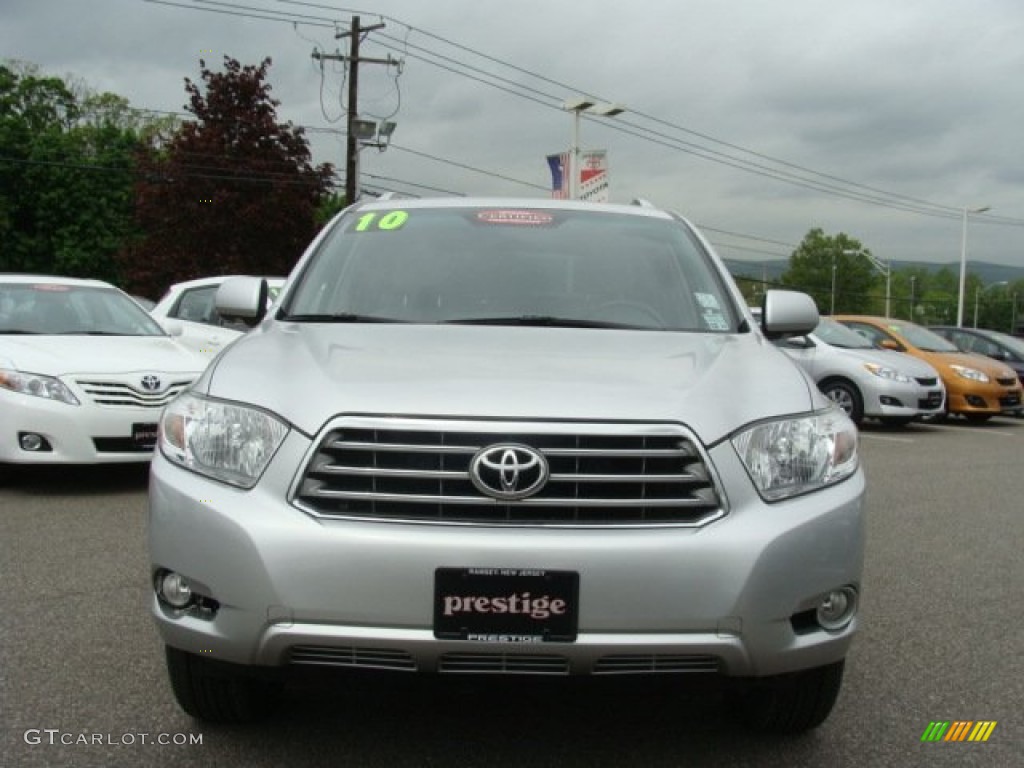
(888,286)
(913,280)
(963,262)
(832,307)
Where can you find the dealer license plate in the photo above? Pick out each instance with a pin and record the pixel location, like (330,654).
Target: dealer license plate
(144,436)
(506,605)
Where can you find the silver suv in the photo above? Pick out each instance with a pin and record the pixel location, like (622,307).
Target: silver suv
(508,436)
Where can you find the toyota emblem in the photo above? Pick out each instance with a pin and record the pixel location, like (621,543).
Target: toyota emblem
(508,471)
(151,383)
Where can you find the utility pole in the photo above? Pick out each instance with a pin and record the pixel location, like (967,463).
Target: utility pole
(352,144)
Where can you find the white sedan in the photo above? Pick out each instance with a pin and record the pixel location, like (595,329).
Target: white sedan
(84,373)
(191,306)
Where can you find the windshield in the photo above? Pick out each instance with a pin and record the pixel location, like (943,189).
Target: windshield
(838,335)
(922,338)
(512,266)
(59,309)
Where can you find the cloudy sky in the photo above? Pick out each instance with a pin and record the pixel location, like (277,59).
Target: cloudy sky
(757,120)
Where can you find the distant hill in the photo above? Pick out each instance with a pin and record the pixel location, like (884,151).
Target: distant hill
(773,269)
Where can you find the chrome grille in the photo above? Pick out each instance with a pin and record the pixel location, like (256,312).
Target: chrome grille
(504,663)
(350,656)
(120,394)
(599,475)
(1007,382)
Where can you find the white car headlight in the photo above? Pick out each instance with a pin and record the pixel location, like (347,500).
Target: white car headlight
(970,373)
(38,385)
(791,456)
(226,441)
(891,374)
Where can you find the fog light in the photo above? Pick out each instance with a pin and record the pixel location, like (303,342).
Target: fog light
(174,589)
(837,608)
(30,441)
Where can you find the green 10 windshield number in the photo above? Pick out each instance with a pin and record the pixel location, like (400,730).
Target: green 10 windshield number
(370,222)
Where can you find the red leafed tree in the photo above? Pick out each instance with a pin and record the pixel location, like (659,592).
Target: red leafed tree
(232,192)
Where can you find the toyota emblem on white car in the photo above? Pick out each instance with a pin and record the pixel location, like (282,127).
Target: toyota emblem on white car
(508,471)
(151,383)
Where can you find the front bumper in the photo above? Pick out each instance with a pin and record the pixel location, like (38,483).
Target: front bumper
(294,589)
(991,398)
(885,398)
(76,434)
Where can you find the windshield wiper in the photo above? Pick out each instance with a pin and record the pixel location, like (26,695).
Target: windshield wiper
(542,321)
(341,317)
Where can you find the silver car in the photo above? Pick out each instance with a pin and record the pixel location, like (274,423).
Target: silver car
(866,382)
(529,437)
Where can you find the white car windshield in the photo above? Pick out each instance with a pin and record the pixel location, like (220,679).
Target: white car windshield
(48,308)
(838,335)
(513,266)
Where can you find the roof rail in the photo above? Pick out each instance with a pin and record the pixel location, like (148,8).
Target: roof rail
(643,202)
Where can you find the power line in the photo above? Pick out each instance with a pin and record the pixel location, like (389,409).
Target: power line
(857,192)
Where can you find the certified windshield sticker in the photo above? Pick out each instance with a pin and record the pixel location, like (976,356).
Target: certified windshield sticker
(707,301)
(381,222)
(519,218)
(715,321)
(714,318)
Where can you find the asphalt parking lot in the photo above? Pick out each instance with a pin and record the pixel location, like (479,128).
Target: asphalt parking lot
(82,679)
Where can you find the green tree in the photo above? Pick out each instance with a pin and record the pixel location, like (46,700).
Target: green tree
(66,158)
(834,271)
(329,206)
(233,191)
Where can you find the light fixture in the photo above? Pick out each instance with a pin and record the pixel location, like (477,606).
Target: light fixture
(364,129)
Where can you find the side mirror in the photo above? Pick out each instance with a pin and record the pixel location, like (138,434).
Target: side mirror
(890,344)
(172,327)
(788,313)
(242,299)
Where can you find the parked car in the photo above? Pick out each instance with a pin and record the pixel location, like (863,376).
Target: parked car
(191,306)
(977,388)
(84,373)
(999,346)
(511,436)
(863,380)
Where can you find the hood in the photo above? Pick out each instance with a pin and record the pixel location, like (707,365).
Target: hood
(900,361)
(712,383)
(78,354)
(993,368)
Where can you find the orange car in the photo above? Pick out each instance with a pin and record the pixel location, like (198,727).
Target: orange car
(977,387)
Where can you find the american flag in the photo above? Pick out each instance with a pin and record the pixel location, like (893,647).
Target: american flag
(559,165)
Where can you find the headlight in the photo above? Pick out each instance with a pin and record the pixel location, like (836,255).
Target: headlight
(793,456)
(226,441)
(891,374)
(970,373)
(38,385)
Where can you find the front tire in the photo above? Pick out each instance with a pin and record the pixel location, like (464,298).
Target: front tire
(792,703)
(219,692)
(977,418)
(846,396)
